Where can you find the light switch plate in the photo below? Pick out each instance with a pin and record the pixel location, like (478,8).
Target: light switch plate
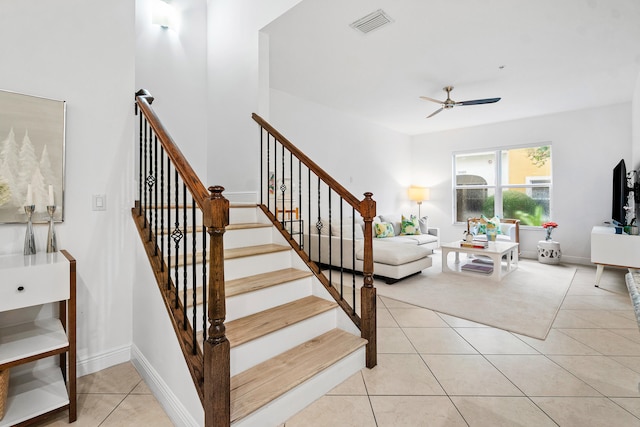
(99,202)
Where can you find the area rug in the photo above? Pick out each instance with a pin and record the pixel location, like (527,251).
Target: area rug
(525,301)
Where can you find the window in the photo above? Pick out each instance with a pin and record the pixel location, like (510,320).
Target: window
(508,182)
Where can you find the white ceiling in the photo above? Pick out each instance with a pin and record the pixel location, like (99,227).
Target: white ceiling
(558,55)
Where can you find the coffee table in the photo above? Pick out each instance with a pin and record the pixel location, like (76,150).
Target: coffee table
(495,251)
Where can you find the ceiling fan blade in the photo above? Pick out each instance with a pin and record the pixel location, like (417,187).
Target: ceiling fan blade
(426,98)
(479,101)
(435,112)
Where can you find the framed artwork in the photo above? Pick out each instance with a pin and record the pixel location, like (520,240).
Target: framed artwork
(32,143)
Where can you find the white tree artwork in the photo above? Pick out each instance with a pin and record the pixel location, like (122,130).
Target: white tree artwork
(31,156)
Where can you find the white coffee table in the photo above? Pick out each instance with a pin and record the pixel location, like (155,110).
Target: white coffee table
(495,252)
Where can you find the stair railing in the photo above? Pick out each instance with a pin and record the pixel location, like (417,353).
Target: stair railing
(329,227)
(172,202)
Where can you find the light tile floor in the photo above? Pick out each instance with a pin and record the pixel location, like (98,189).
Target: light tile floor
(116,396)
(438,370)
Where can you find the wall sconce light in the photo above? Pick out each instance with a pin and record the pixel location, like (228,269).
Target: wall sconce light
(163,14)
(418,194)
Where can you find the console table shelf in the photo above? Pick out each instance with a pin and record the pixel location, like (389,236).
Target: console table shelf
(40,353)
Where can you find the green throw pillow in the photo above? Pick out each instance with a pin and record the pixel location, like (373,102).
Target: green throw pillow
(410,226)
(383,229)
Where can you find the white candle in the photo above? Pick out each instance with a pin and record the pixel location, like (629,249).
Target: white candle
(29,196)
(51,201)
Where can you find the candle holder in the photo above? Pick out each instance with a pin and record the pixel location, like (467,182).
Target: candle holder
(29,239)
(52,243)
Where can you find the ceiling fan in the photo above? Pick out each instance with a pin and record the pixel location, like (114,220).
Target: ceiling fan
(449,103)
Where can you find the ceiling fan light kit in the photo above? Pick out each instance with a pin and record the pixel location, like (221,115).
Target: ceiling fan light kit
(449,103)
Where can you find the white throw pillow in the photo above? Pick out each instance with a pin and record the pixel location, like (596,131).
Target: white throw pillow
(424,225)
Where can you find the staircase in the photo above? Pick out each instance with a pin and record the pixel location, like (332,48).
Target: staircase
(279,334)
(290,342)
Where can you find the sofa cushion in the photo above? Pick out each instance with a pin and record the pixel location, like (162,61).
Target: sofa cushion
(347,229)
(396,220)
(424,225)
(420,239)
(394,254)
(383,229)
(409,226)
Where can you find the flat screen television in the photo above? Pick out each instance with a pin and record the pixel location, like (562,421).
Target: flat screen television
(620,193)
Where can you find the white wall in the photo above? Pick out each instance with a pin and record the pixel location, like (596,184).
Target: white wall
(361,155)
(172,65)
(587,144)
(82,51)
(234,93)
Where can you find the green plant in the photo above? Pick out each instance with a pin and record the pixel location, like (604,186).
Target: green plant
(539,155)
(531,219)
(513,202)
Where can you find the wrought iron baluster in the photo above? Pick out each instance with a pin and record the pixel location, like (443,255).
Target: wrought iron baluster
(204,282)
(146,212)
(353,258)
(185,272)
(194,234)
(142,122)
(301,222)
(341,248)
(155,195)
(151,180)
(283,187)
(330,242)
(177,237)
(169,231)
(262,165)
(319,227)
(162,248)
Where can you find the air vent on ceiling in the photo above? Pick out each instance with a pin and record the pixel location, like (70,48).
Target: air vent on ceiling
(372,21)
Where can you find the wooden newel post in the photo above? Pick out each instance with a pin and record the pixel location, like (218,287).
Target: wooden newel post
(217,377)
(368,292)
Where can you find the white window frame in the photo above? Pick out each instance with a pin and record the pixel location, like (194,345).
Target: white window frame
(497,186)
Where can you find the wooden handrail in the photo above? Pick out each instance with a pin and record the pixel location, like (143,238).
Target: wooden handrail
(324,176)
(367,209)
(193,183)
(210,368)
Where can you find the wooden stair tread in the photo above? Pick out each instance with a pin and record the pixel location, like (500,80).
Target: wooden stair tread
(247,225)
(253,283)
(256,325)
(263,383)
(254,250)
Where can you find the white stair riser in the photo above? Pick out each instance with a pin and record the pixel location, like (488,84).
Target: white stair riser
(247,237)
(254,302)
(256,351)
(242,215)
(257,264)
(292,402)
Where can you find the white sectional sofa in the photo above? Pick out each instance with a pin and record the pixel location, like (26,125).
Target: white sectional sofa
(394,258)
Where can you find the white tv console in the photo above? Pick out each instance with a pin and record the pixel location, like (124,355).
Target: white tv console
(617,250)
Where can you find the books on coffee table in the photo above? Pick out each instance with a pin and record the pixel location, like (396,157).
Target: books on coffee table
(478,267)
(479,244)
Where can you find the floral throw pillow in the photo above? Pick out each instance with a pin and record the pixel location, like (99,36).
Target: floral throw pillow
(409,226)
(383,229)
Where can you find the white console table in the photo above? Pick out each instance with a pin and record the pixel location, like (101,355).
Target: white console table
(38,390)
(618,250)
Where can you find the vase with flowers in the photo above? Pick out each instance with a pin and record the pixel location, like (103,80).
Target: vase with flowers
(549,226)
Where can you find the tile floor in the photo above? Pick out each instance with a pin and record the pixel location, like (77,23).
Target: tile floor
(438,370)
(116,396)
